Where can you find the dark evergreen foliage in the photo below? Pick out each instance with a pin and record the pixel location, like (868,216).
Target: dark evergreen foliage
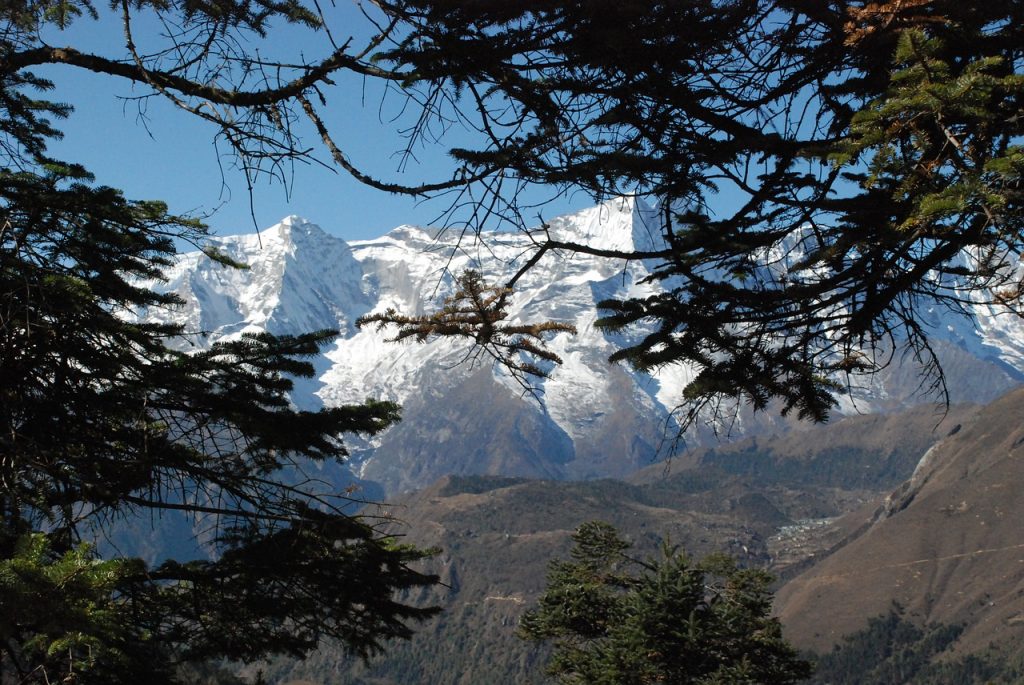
(104,417)
(871,150)
(894,651)
(615,620)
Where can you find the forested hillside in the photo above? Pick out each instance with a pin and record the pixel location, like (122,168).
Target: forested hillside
(770,502)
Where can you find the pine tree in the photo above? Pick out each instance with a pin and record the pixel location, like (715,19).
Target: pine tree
(104,417)
(615,620)
(871,150)
(479,312)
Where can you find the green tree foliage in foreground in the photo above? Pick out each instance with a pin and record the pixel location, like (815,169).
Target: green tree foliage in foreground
(615,620)
(870,152)
(103,418)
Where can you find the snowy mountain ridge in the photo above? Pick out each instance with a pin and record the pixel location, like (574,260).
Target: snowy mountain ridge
(596,419)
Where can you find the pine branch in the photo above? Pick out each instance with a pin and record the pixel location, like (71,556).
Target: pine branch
(477,312)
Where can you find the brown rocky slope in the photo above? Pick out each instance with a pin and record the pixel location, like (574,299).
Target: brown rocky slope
(497,535)
(948,545)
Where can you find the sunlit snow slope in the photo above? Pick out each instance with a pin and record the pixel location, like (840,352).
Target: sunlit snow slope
(460,414)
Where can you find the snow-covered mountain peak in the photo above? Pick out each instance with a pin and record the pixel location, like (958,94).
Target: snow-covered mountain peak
(291,233)
(623,224)
(296,278)
(295,220)
(597,419)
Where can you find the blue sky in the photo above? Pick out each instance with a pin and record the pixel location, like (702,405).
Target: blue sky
(172,156)
(152,150)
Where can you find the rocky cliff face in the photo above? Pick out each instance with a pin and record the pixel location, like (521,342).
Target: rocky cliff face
(460,414)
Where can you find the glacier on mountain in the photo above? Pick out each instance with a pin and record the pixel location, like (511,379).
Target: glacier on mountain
(596,419)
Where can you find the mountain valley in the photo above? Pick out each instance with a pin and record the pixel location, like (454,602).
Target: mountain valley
(829,511)
(896,498)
